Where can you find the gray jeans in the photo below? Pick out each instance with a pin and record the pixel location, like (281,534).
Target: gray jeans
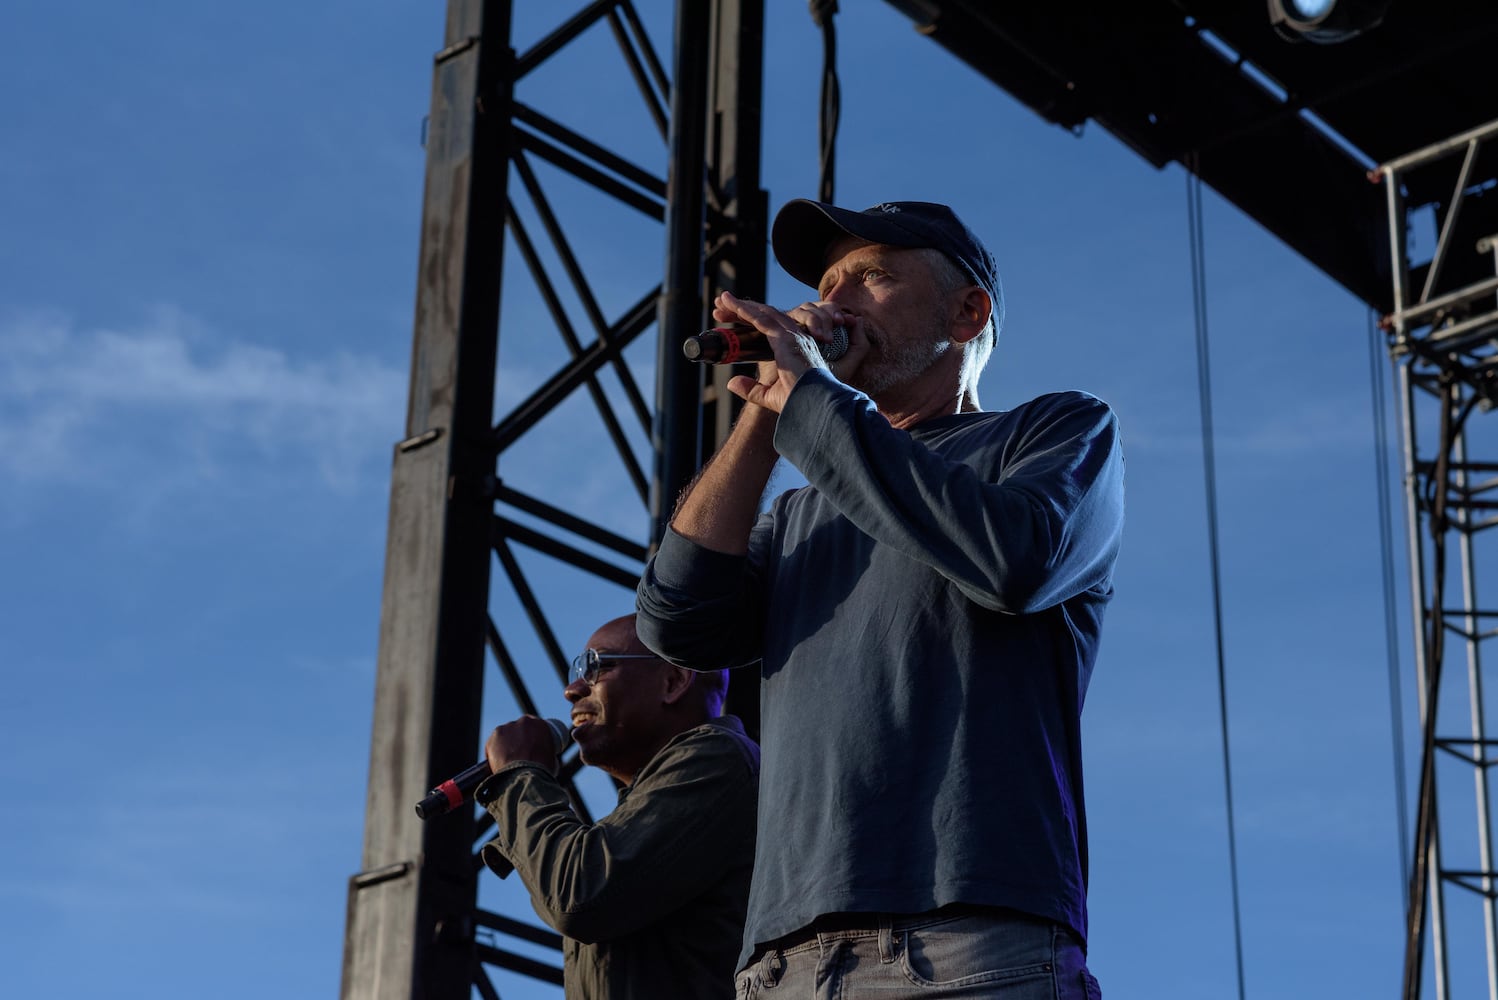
(997,955)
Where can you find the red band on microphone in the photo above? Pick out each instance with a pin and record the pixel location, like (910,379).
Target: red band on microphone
(734,347)
(453,792)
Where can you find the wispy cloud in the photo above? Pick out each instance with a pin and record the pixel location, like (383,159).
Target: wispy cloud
(170,397)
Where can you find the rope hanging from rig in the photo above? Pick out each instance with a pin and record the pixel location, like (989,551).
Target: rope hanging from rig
(821,15)
(1204,387)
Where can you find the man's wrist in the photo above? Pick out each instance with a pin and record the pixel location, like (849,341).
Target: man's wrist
(489,788)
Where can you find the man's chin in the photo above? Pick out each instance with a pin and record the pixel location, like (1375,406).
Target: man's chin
(590,743)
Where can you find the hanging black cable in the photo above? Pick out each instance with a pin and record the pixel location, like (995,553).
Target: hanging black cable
(821,15)
(1204,386)
(1384,484)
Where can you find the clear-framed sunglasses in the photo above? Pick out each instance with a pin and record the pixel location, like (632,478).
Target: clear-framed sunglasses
(591,663)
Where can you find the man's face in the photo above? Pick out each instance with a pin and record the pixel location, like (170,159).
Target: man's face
(896,293)
(617,717)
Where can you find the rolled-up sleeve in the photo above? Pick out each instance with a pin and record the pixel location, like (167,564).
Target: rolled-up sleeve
(699,608)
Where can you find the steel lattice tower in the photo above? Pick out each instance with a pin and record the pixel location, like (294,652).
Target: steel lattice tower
(1443,338)
(498,166)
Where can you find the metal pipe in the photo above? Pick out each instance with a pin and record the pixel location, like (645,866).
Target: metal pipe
(1480,774)
(1437,150)
(1453,212)
(1433,306)
(678,412)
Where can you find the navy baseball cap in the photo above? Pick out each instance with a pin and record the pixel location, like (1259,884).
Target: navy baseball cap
(805,229)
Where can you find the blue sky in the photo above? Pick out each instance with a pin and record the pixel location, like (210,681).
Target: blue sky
(207,274)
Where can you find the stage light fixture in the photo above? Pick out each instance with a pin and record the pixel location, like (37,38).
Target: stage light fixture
(1325,21)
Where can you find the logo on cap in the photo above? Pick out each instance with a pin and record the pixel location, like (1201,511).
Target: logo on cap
(887,208)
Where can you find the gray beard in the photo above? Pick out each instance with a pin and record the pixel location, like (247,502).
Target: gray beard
(885,370)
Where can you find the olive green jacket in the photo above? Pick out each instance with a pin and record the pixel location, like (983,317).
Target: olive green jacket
(651,898)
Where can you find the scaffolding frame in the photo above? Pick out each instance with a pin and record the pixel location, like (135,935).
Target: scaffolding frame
(414,927)
(1443,341)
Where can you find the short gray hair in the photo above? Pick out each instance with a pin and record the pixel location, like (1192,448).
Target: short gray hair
(951,279)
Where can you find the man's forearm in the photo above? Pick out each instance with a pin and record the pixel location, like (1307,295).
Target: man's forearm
(718,509)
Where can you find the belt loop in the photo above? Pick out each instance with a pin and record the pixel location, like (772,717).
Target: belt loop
(886,939)
(774,966)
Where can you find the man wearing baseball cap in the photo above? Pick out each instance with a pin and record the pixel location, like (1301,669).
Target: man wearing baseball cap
(925,615)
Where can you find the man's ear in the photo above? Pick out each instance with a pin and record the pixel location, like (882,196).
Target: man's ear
(971,314)
(678,682)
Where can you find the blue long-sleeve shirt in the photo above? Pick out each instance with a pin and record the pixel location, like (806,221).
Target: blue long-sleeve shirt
(926,613)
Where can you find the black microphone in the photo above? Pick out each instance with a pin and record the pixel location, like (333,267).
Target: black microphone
(455,791)
(737,342)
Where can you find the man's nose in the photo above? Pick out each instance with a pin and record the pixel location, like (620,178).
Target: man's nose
(837,292)
(576,691)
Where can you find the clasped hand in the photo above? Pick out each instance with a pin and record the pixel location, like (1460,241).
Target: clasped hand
(526,738)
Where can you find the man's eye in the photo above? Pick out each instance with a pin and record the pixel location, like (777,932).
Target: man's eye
(865,275)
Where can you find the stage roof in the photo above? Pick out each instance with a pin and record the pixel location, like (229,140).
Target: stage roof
(1286,131)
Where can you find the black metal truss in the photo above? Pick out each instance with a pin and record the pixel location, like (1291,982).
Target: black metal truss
(415,927)
(1278,129)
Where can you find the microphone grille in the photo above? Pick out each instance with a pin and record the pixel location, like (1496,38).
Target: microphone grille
(835,348)
(561,733)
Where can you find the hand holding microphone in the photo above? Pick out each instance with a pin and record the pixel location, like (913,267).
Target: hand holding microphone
(459,789)
(742,338)
(737,338)
(734,343)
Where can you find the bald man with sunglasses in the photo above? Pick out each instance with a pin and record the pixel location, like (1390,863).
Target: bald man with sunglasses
(651,898)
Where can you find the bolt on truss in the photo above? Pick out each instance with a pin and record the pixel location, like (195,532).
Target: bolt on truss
(555,459)
(1443,339)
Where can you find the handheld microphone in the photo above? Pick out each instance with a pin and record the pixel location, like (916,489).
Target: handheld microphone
(456,790)
(738,342)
